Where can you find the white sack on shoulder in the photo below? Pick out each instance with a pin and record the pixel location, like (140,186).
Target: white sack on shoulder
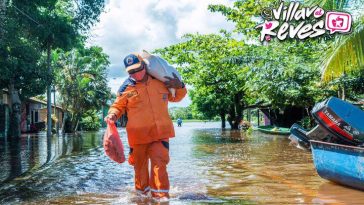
(158,68)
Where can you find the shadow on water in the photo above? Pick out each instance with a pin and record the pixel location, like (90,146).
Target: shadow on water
(208,166)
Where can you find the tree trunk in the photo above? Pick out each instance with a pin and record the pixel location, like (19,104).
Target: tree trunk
(49,105)
(75,122)
(2,19)
(236,111)
(15,111)
(73,119)
(56,113)
(64,122)
(1,97)
(222,116)
(103,116)
(76,126)
(231,116)
(249,115)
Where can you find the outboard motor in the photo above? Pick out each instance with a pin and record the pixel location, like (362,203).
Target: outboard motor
(337,121)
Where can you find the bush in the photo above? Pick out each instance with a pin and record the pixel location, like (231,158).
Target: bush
(217,118)
(305,122)
(90,121)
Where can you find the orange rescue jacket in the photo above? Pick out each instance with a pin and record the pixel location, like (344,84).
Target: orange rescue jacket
(147,107)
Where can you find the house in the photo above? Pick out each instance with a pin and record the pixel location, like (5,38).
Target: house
(33,114)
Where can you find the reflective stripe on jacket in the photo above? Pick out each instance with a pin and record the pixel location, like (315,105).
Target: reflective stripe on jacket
(147,108)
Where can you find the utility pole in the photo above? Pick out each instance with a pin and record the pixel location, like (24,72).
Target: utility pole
(49,90)
(55,108)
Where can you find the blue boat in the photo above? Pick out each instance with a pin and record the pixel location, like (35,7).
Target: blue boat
(336,142)
(342,164)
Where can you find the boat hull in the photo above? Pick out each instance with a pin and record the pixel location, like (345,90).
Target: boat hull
(342,164)
(268,130)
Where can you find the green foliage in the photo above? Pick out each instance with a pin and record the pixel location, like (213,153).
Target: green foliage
(81,79)
(329,4)
(55,22)
(306,122)
(345,54)
(30,30)
(19,60)
(201,60)
(285,75)
(90,121)
(350,85)
(228,75)
(181,112)
(32,25)
(244,13)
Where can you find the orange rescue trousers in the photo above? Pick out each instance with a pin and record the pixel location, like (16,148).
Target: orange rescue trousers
(156,180)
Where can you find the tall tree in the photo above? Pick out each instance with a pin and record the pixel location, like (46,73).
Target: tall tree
(218,84)
(281,74)
(81,79)
(285,76)
(346,52)
(56,24)
(22,72)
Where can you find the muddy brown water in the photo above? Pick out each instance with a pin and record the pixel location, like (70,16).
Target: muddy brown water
(208,166)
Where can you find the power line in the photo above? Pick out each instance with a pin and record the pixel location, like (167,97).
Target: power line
(26,15)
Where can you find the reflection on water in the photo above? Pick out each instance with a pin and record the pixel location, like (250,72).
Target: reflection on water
(35,150)
(208,166)
(330,193)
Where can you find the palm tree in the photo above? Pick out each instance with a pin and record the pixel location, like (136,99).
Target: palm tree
(346,52)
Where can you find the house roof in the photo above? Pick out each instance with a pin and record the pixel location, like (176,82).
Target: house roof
(33,99)
(43,102)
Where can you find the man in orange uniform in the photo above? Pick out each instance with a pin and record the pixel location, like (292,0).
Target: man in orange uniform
(149,126)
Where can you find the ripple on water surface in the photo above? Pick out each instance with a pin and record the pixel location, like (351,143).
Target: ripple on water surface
(208,166)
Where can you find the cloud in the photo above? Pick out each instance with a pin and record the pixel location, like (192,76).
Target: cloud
(129,25)
(115,83)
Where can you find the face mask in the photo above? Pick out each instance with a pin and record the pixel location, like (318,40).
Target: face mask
(139,75)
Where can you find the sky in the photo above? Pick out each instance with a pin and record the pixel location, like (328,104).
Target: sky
(129,26)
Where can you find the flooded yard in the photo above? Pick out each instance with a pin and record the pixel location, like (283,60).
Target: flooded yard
(208,166)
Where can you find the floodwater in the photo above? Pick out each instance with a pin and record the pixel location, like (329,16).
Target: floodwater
(208,166)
